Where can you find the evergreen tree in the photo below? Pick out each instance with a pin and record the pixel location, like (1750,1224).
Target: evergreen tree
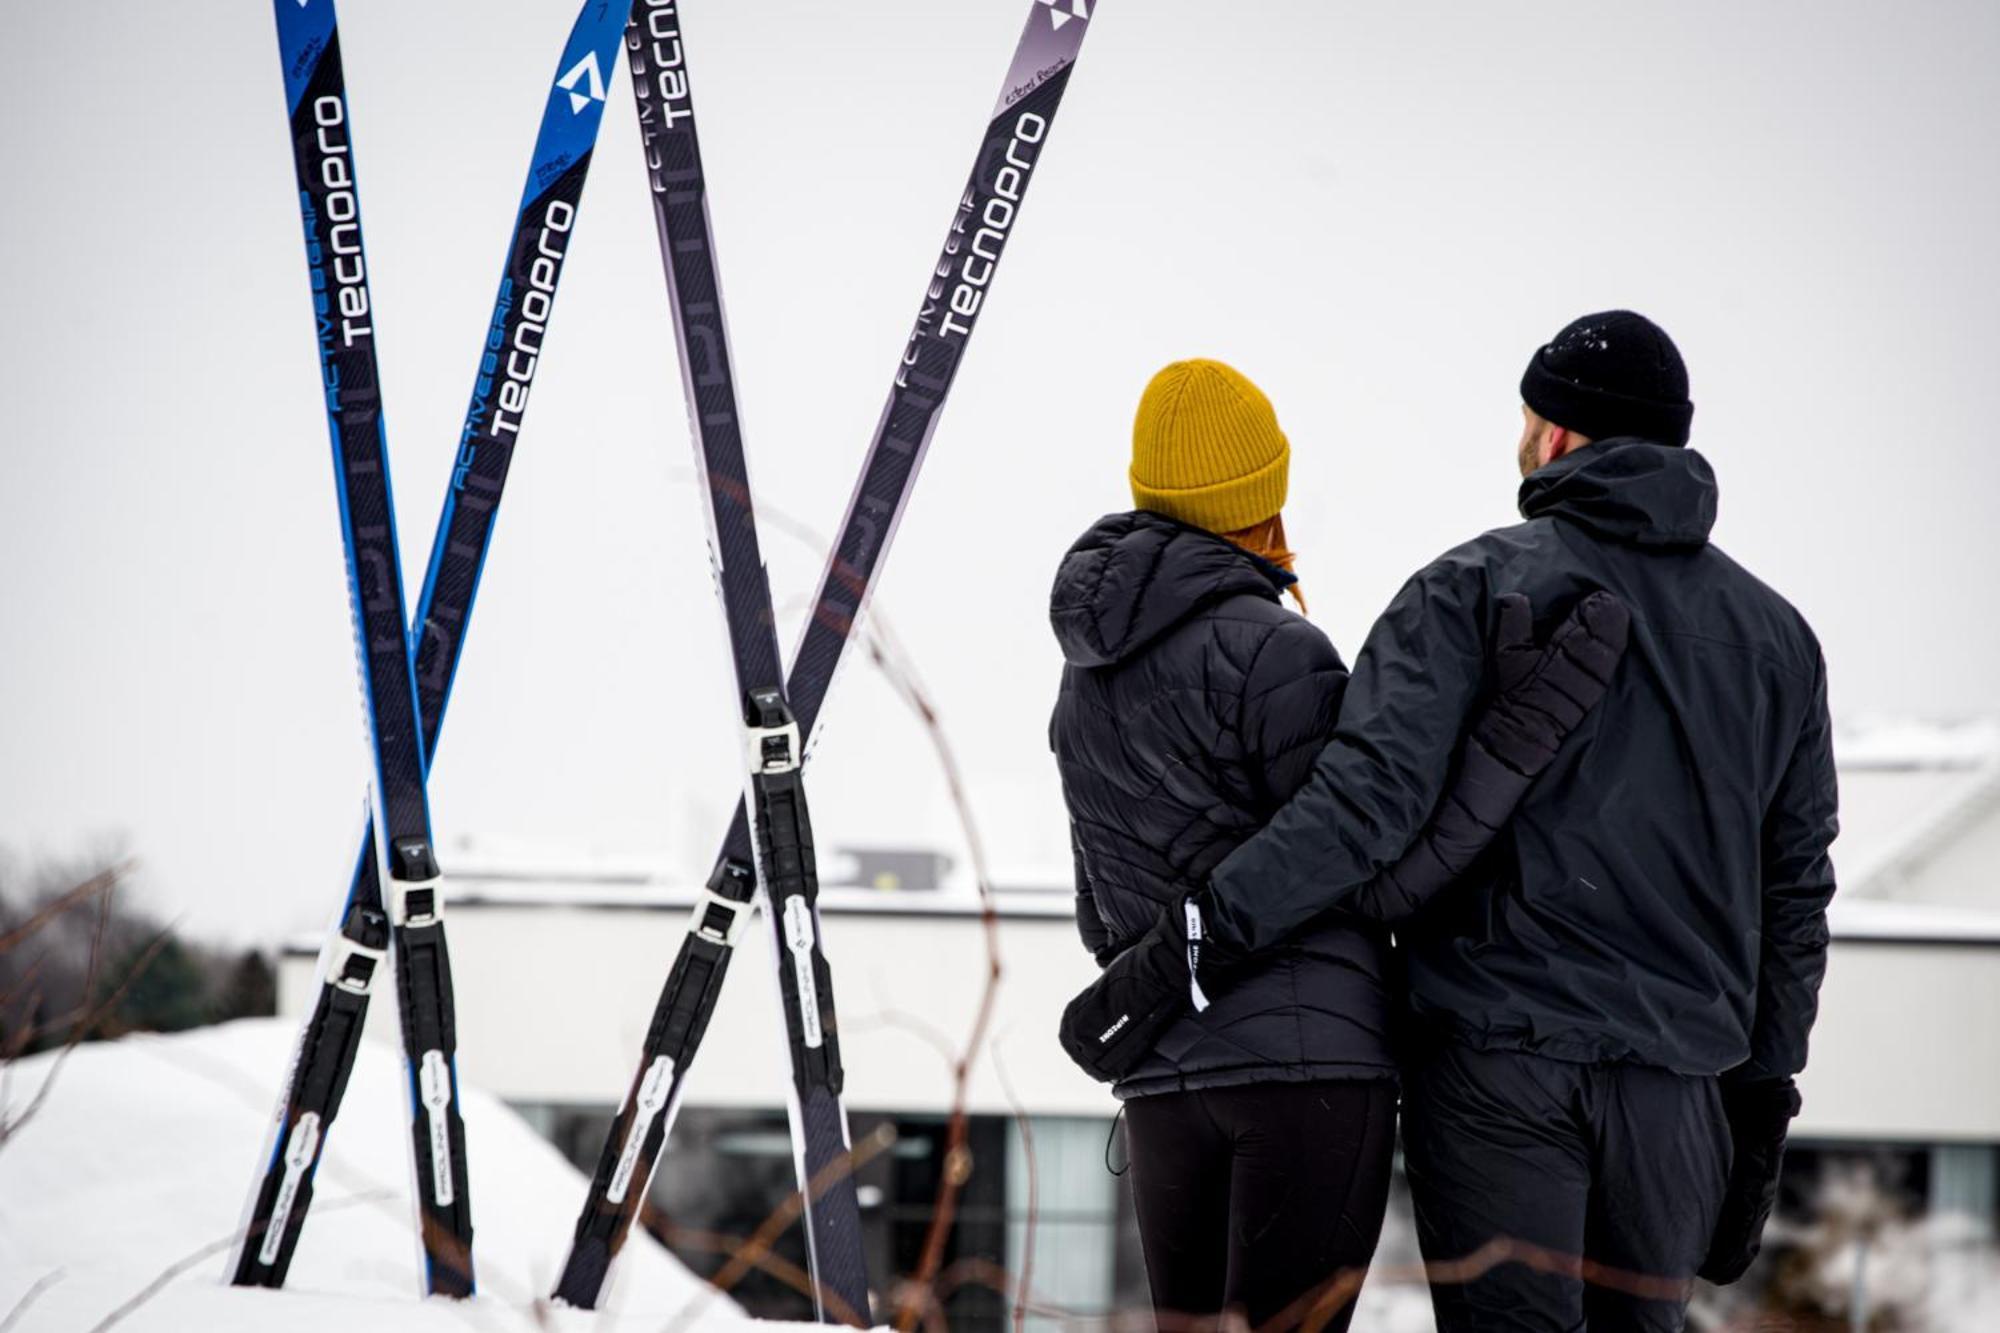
(250,990)
(166,993)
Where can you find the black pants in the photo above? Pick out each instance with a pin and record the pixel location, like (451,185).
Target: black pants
(1255,1198)
(1602,1183)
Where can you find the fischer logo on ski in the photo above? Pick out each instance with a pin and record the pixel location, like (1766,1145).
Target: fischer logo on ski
(799,940)
(1062,11)
(652,1099)
(434,1082)
(299,1154)
(586,73)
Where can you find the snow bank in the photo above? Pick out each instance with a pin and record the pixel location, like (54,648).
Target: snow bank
(142,1155)
(1881,742)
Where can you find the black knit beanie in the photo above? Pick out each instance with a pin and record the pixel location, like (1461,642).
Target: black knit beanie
(1614,373)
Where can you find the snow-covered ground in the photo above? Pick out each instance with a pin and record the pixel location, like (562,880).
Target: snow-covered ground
(134,1171)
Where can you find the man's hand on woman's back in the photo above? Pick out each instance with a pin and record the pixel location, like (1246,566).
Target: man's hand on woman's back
(1541,694)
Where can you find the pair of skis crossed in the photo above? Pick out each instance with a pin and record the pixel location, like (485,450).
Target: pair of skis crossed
(767,855)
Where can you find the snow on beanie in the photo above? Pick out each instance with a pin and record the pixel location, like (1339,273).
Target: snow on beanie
(1613,373)
(1206,448)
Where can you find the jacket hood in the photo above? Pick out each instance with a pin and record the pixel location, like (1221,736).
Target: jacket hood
(1134,576)
(1628,490)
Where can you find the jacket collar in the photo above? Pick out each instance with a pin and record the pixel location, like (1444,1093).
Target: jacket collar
(1628,490)
(1136,575)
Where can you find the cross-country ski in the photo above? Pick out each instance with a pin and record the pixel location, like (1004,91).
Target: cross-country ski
(964,273)
(369,924)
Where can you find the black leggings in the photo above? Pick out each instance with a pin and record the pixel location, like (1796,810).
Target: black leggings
(1255,1198)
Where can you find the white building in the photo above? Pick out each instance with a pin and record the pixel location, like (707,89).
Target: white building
(558,967)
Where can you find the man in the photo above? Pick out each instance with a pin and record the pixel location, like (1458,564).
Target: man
(1609,1007)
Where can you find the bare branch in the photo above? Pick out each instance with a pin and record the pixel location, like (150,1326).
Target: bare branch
(208,1251)
(752,1253)
(1025,1125)
(904,1021)
(30,1296)
(99,886)
(889,657)
(713,1242)
(101,882)
(11,1124)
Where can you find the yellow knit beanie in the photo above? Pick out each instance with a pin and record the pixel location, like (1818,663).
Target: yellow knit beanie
(1206,448)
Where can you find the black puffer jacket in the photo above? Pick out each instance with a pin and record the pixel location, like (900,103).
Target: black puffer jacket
(1661,894)
(1192,706)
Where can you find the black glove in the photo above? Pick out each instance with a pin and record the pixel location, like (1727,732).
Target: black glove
(1114,1022)
(1540,695)
(1171,971)
(1760,1112)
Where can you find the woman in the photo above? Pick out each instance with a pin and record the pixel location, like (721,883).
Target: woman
(1193,704)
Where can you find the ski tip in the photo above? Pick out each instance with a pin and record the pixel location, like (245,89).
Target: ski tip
(1048,45)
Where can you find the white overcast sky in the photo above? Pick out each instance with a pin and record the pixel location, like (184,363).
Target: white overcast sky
(1377,210)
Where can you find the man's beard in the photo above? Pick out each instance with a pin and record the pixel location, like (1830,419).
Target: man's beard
(1530,451)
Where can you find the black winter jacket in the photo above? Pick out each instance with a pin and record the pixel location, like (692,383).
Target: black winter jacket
(1661,894)
(1192,705)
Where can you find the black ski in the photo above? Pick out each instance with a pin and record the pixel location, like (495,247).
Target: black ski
(510,352)
(781,863)
(954,297)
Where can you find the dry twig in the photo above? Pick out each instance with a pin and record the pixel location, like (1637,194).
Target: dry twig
(85,1019)
(889,657)
(1025,1125)
(30,1296)
(181,1265)
(753,1252)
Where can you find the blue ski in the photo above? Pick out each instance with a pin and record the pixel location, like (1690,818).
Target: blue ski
(407,691)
